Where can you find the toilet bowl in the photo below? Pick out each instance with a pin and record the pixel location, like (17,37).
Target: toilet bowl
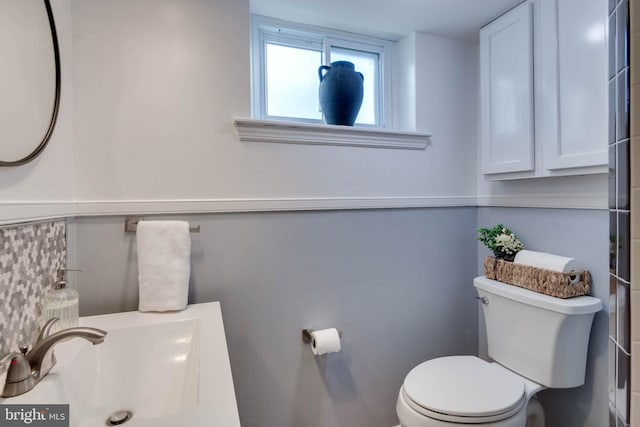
(467,390)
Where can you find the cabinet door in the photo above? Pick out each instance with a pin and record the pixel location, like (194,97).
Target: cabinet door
(573,83)
(506,93)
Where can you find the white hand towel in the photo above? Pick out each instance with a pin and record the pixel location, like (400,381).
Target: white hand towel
(164,251)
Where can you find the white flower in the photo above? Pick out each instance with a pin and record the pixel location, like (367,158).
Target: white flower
(508,243)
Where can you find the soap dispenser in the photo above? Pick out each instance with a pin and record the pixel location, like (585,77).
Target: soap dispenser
(61,302)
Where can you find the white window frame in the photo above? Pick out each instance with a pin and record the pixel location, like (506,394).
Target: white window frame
(264,29)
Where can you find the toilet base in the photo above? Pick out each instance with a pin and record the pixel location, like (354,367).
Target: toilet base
(535,413)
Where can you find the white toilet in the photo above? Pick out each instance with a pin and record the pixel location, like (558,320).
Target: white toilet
(537,342)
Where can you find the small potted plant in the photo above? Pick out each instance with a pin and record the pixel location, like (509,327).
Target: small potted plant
(504,244)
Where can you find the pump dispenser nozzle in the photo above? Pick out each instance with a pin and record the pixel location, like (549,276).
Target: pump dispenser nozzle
(61,302)
(61,277)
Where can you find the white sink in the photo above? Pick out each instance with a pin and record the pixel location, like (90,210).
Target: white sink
(168,369)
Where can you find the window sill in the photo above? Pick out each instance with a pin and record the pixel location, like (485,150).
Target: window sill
(252,130)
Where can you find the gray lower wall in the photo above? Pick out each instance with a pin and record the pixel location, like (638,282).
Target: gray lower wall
(398,283)
(584,235)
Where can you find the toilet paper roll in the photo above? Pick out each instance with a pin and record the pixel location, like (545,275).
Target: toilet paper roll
(325,341)
(547,261)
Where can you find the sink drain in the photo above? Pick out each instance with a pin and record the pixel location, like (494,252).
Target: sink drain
(119,417)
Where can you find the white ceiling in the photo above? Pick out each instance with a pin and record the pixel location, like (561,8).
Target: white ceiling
(390,19)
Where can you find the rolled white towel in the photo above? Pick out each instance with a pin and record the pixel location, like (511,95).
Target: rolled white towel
(547,261)
(164,252)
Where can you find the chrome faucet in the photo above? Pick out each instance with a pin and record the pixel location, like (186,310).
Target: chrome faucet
(28,368)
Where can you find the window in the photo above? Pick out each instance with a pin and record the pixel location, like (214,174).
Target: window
(285,61)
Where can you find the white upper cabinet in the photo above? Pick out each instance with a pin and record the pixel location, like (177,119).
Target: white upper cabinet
(506,92)
(568,72)
(574,78)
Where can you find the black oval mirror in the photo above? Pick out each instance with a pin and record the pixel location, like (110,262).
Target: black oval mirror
(29,79)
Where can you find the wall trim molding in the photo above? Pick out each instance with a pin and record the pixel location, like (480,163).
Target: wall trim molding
(29,211)
(106,207)
(34,211)
(548,201)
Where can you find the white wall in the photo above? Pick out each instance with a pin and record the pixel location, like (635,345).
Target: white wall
(404,83)
(588,191)
(45,186)
(159,83)
(447,104)
(149,117)
(436,91)
(436,80)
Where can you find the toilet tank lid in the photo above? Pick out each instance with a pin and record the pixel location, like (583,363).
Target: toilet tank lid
(575,305)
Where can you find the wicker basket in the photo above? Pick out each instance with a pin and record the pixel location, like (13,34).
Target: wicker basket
(561,285)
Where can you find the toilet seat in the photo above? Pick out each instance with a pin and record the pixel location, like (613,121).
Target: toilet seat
(464,389)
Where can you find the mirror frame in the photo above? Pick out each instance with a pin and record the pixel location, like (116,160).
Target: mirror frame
(56,101)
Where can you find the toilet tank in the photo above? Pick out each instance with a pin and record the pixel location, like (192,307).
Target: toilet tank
(540,337)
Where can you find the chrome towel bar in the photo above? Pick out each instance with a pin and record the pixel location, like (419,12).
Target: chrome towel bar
(131,226)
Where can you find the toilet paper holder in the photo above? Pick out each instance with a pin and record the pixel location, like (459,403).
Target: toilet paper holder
(306,335)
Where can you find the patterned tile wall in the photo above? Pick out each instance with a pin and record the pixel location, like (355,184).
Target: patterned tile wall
(619,216)
(30,254)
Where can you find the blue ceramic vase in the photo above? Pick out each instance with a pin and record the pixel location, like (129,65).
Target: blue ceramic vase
(341,92)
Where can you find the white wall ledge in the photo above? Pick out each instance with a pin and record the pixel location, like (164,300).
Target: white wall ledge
(252,130)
